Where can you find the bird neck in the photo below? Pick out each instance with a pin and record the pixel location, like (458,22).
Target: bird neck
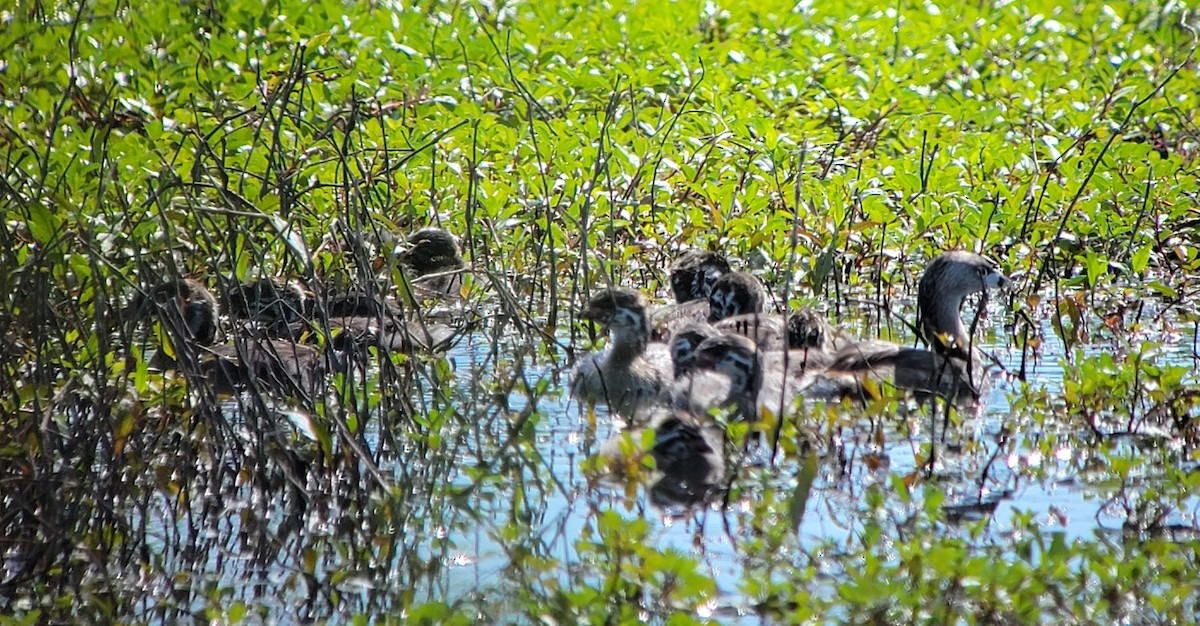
(747,400)
(627,344)
(963,376)
(748,382)
(943,327)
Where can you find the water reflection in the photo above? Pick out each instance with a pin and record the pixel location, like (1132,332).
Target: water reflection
(688,455)
(473,477)
(988,467)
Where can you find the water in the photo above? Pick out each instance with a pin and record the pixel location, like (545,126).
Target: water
(488,501)
(1019,481)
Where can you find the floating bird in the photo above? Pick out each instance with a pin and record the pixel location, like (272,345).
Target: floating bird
(692,277)
(688,455)
(435,263)
(728,374)
(737,302)
(622,376)
(189,312)
(951,367)
(272,305)
(684,344)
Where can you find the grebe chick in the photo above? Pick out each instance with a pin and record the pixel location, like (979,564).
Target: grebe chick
(435,263)
(688,454)
(684,344)
(271,305)
(737,302)
(189,312)
(621,376)
(728,374)
(692,277)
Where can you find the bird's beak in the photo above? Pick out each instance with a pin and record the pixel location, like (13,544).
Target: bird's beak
(594,314)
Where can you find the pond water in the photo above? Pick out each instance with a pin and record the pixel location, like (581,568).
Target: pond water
(982,478)
(486,496)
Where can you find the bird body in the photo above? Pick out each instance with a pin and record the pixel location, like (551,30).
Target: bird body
(621,376)
(951,368)
(692,277)
(684,344)
(736,305)
(358,320)
(390,334)
(688,454)
(274,365)
(730,375)
(189,312)
(687,447)
(270,305)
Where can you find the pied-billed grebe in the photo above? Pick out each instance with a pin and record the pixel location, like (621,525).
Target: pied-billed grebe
(692,277)
(688,453)
(731,371)
(737,305)
(435,263)
(621,376)
(728,374)
(189,313)
(735,293)
(272,305)
(952,367)
(693,274)
(183,305)
(684,344)
(390,334)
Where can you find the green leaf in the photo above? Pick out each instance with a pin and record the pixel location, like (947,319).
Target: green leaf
(1141,258)
(43,224)
(804,482)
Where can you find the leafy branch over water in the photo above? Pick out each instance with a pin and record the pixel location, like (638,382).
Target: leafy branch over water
(572,146)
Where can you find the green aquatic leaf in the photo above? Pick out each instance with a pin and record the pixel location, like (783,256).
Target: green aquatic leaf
(800,495)
(43,223)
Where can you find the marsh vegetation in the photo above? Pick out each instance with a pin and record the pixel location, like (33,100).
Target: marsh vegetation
(829,149)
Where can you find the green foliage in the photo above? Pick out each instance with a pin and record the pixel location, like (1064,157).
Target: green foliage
(832,146)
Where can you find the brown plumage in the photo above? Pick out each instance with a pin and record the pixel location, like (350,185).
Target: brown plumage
(271,305)
(621,376)
(189,314)
(692,277)
(951,368)
(684,344)
(358,320)
(688,454)
(737,305)
(435,263)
